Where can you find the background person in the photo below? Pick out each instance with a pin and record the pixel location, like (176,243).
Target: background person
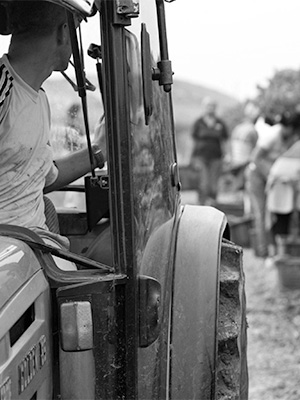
(272,142)
(209,135)
(244,136)
(243,139)
(283,192)
(74,118)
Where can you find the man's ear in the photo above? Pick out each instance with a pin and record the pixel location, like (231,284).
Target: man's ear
(62,33)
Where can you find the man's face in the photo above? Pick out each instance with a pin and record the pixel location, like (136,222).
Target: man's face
(209,108)
(66,48)
(251,111)
(63,59)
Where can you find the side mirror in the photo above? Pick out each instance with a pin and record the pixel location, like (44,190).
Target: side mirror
(147,71)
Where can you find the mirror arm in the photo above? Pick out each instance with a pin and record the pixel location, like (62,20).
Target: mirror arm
(80,77)
(164,72)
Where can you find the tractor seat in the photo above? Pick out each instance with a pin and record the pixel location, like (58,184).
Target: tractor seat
(51,216)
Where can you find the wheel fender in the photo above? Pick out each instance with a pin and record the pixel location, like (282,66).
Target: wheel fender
(195,302)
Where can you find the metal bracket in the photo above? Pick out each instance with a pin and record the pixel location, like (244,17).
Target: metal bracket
(164,74)
(128,8)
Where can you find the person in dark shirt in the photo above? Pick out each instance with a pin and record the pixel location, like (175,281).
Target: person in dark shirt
(209,135)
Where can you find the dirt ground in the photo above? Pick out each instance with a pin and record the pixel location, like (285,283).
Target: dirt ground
(273,335)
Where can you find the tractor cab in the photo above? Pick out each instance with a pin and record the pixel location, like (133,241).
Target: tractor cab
(139,317)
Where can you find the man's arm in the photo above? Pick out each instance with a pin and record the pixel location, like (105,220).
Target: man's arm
(195,130)
(77,164)
(260,158)
(225,142)
(70,168)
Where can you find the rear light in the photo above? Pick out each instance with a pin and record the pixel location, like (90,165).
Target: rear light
(76,326)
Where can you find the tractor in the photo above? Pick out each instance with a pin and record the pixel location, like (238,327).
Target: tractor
(156,308)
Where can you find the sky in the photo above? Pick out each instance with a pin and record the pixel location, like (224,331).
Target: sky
(230,45)
(233,45)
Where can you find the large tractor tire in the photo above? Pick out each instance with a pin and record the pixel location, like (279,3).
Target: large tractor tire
(232,373)
(209,338)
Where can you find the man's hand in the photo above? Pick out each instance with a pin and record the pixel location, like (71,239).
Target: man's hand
(99,137)
(98,157)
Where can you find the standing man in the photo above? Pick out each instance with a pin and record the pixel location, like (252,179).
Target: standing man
(209,135)
(243,139)
(244,136)
(40,44)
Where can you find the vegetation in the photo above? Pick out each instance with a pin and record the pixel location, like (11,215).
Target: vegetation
(281,96)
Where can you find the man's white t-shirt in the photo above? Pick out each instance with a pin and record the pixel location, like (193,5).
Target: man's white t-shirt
(270,139)
(26,160)
(243,140)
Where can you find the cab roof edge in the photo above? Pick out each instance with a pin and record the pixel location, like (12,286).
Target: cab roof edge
(83,7)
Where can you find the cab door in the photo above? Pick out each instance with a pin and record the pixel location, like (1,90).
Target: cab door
(144,183)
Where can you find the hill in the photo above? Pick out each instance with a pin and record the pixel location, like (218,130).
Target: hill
(186,96)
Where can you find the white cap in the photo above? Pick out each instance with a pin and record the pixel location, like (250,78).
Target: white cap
(83,7)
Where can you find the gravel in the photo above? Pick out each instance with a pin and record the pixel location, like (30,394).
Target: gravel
(273,315)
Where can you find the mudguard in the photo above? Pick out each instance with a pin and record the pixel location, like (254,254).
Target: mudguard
(195,303)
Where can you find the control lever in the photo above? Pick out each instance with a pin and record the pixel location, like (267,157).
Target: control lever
(94,51)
